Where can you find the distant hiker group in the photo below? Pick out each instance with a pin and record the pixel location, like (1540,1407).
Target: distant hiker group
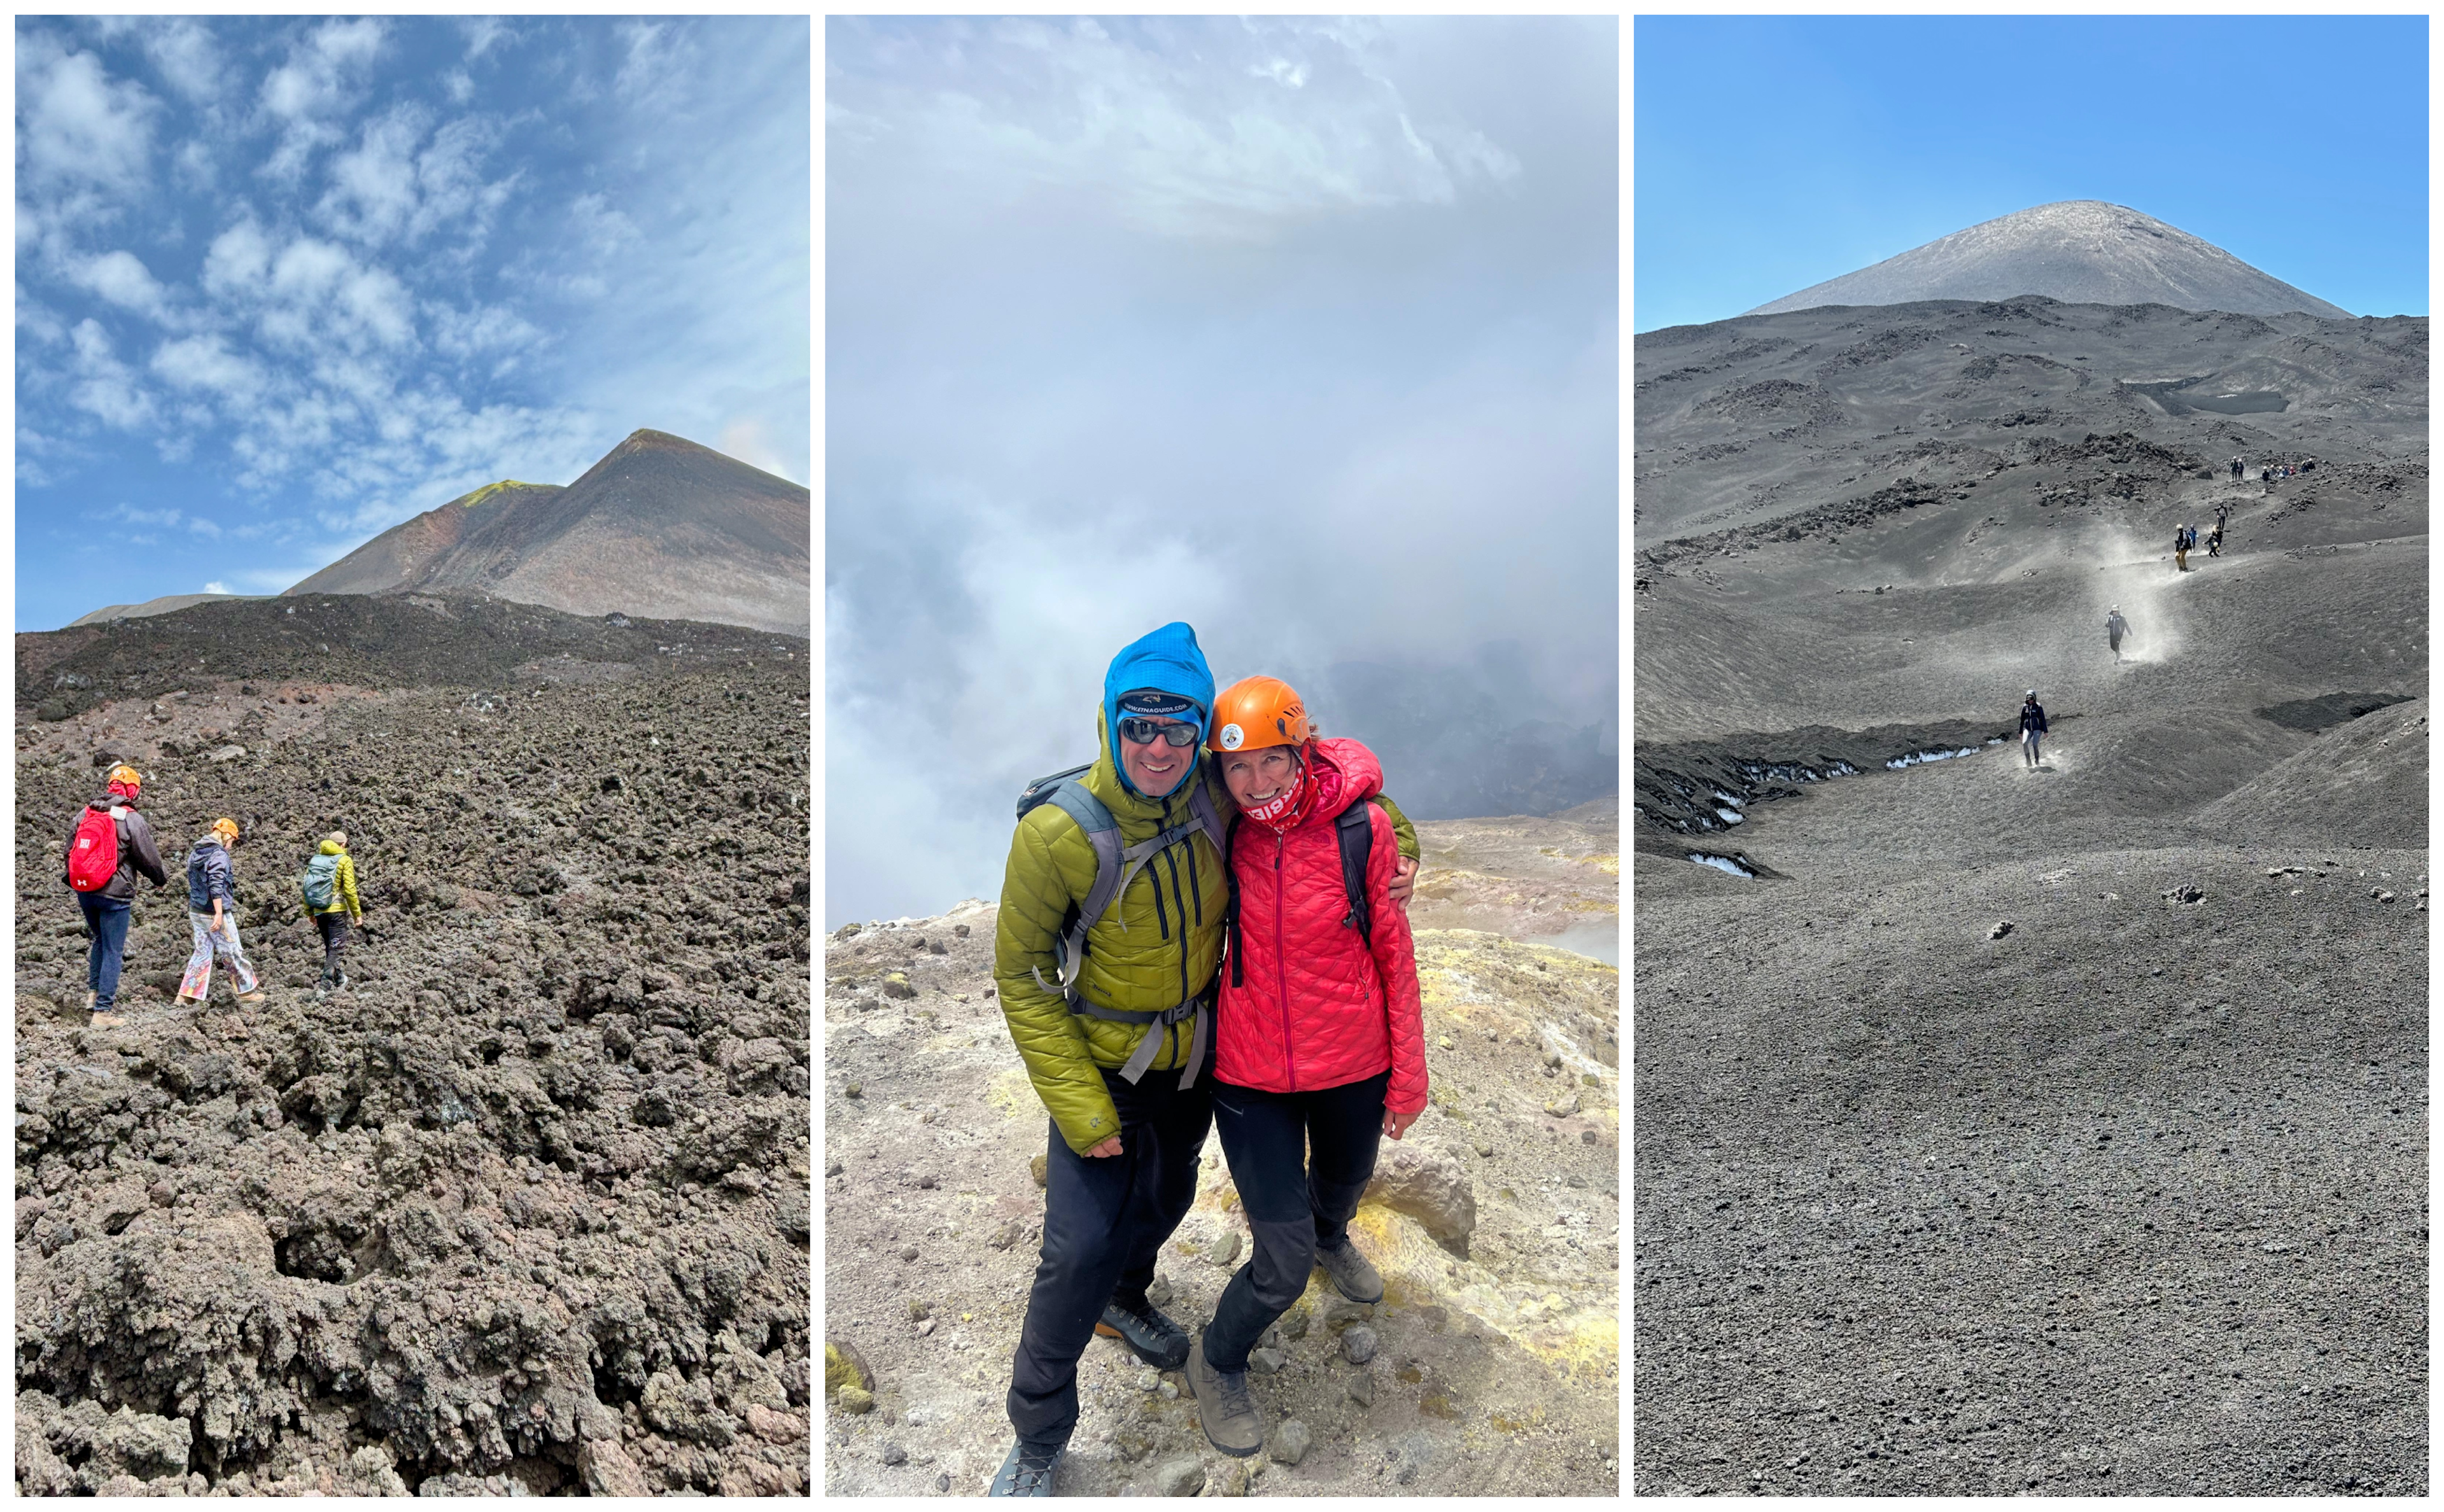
(112,844)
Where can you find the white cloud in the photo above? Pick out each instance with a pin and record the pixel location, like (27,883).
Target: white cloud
(216,587)
(121,278)
(206,363)
(107,389)
(187,57)
(323,68)
(77,126)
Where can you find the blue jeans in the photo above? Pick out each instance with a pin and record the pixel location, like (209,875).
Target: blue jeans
(105,921)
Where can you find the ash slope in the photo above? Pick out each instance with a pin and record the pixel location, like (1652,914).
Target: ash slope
(2128,1199)
(660,527)
(1497,1371)
(525,1211)
(2082,251)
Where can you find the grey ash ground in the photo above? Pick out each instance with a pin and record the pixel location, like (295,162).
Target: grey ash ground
(523,1211)
(2131,1195)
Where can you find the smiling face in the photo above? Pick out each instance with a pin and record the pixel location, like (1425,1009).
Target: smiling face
(1257,776)
(1155,768)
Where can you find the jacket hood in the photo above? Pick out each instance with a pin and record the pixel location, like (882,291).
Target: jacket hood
(330,848)
(1345,773)
(1167,660)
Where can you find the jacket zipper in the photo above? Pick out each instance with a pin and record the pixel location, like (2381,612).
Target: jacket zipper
(1280,973)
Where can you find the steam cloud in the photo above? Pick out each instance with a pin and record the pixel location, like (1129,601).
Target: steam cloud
(1306,334)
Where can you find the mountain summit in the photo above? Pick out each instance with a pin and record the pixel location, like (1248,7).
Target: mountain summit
(662,527)
(2080,252)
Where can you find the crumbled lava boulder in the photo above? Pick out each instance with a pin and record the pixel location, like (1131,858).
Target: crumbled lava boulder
(522,1211)
(1430,1185)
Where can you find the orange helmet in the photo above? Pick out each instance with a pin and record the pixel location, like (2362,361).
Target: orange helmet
(1259,711)
(124,779)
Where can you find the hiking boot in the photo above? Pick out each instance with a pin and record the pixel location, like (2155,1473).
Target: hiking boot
(253,997)
(108,1018)
(1222,1406)
(89,996)
(1027,1471)
(1353,1275)
(1149,1335)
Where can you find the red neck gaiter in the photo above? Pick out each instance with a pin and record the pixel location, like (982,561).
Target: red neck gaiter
(1285,811)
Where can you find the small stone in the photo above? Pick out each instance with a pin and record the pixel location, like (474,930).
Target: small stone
(1484,1148)
(833,1168)
(1266,1362)
(1340,1310)
(959,929)
(1149,1379)
(1362,1388)
(1565,1108)
(1357,1343)
(908,1252)
(893,1454)
(896,986)
(1293,1323)
(1168,1391)
(1226,1249)
(1006,1235)
(1160,1293)
(925,1329)
(1037,1167)
(1291,1440)
(1587,1136)
(1181,1475)
(942,1483)
(1443,1041)
(854,1400)
(855,1089)
(1553,1059)
(2001,927)
(2382,896)
(918,1310)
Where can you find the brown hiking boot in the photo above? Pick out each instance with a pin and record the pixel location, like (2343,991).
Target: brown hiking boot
(255,996)
(1353,1275)
(1222,1405)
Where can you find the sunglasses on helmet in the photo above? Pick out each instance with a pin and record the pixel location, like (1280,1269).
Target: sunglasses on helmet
(1145,731)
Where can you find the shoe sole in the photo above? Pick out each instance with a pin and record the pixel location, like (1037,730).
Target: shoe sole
(1346,1293)
(1157,1361)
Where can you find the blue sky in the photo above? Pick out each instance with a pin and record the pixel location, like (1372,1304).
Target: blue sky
(1306,332)
(282,284)
(1774,153)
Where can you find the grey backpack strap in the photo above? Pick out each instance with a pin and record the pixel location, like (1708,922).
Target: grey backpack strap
(1103,833)
(1200,809)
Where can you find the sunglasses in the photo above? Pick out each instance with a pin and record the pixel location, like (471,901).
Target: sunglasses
(1144,732)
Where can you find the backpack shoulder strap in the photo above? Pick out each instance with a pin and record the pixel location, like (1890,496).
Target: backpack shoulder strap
(1354,829)
(1200,809)
(1095,821)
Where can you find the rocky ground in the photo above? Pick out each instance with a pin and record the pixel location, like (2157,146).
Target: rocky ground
(1490,1368)
(2058,1130)
(524,1210)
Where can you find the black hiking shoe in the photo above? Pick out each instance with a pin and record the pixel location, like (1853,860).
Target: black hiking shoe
(1223,1407)
(1353,1275)
(1149,1335)
(1027,1471)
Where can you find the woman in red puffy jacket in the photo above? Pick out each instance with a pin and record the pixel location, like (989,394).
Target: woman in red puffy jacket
(1320,1049)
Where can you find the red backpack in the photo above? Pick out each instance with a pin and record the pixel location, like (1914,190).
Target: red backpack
(93,856)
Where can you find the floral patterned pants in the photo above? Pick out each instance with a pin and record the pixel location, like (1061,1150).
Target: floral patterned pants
(213,944)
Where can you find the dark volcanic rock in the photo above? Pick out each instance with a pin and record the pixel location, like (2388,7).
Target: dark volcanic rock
(527,1203)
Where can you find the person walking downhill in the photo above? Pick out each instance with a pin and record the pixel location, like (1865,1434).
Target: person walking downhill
(2114,628)
(330,889)
(107,849)
(212,913)
(1320,1047)
(2214,540)
(2032,730)
(2180,548)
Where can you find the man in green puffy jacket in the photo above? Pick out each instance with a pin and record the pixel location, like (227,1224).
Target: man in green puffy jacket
(1118,1041)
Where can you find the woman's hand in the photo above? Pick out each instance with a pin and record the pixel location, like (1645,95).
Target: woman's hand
(1405,881)
(1109,1147)
(1396,1124)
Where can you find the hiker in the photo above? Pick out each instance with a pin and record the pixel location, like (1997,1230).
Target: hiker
(2180,548)
(212,911)
(2214,540)
(2032,730)
(330,886)
(1106,958)
(1320,1047)
(2114,628)
(108,848)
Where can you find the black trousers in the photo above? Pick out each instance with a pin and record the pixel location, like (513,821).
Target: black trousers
(335,937)
(1301,1161)
(1104,1219)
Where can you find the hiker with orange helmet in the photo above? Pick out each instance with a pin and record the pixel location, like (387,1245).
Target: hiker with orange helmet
(1320,1046)
(109,847)
(212,913)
